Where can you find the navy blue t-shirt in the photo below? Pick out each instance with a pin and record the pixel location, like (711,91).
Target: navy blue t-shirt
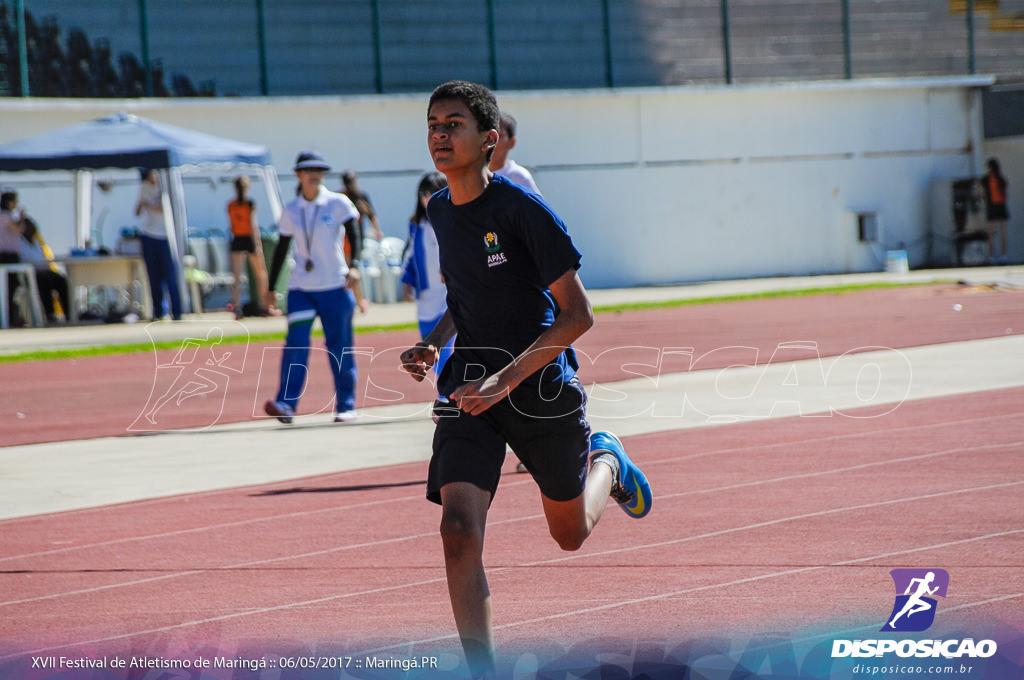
(499,255)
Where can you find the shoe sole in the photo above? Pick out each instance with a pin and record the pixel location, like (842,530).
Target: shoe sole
(272,410)
(633,478)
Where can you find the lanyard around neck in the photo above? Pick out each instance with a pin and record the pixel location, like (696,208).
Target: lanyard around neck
(307,230)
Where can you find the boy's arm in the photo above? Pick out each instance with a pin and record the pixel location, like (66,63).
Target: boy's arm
(574,319)
(418,359)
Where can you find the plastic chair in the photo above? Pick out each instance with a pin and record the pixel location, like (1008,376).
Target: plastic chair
(198,248)
(391,248)
(192,277)
(27,273)
(371,266)
(220,255)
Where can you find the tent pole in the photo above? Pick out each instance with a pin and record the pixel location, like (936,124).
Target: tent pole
(273,187)
(83,208)
(175,200)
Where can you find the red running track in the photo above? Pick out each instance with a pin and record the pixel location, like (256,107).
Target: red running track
(789,525)
(103,396)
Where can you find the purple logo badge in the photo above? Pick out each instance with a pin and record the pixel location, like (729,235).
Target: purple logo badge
(915,605)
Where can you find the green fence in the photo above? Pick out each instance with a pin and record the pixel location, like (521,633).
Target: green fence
(296,47)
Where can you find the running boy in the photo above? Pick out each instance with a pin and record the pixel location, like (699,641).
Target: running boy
(509,264)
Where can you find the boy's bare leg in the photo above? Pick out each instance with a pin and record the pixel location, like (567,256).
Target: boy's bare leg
(463,519)
(570,522)
(611,473)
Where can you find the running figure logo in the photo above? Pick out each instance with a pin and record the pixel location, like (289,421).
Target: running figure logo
(198,375)
(914,609)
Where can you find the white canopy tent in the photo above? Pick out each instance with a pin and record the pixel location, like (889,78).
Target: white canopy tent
(127,141)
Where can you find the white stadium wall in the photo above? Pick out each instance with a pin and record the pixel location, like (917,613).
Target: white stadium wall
(657,185)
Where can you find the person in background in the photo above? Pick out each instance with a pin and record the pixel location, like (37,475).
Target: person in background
(49,279)
(156,250)
(996,213)
(11,228)
(319,221)
(501,164)
(246,242)
(360,199)
(421,270)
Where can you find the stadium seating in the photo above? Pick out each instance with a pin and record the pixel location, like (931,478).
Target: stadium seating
(648,43)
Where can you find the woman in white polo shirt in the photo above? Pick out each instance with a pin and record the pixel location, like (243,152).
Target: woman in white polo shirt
(317,221)
(156,249)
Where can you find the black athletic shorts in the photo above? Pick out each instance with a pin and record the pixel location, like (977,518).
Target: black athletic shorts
(243,244)
(551,437)
(996,212)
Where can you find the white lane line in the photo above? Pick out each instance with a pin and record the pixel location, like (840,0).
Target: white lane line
(727,584)
(505,485)
(374,591)
(431,534)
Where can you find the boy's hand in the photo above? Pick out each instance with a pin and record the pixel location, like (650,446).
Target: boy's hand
(418,360)
(478,396)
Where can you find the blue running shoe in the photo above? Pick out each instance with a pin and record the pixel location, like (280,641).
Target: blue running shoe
(630,489)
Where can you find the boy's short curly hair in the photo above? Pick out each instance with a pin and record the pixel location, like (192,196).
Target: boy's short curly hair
(478,99)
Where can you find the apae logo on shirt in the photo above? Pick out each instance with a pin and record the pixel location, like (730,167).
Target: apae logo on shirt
(492,247)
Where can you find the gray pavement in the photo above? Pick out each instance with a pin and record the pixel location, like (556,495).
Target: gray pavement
(44,478)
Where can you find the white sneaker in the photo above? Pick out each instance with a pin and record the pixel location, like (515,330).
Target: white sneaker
(344,416)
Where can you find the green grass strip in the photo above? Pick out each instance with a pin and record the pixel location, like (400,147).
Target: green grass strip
(133,348)
(106,350)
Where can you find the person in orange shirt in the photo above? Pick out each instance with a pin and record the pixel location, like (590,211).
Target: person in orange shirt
(245,241)
(996,213)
